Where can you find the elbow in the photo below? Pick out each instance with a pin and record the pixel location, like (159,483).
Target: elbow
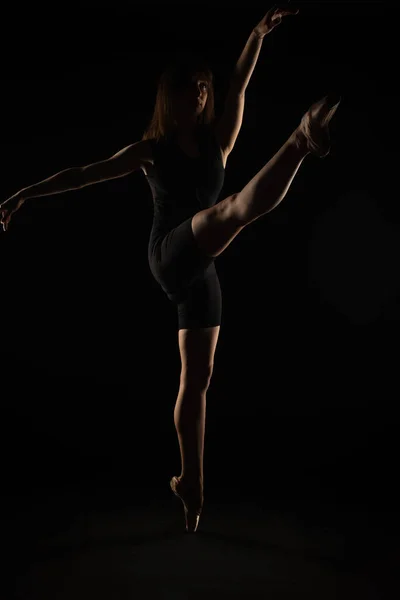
(83,176)
(236,91)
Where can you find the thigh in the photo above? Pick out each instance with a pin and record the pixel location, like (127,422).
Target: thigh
(200,304)
(177,260)
(197,350)
(216,227)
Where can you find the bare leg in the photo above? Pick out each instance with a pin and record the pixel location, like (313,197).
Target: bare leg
(197,349)
(268,188)
(216,227)
(190,419)
(270,185)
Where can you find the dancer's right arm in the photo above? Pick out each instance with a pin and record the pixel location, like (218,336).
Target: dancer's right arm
(129,159)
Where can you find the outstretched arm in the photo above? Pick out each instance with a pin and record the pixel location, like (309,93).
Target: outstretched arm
(230,123)
(122,163)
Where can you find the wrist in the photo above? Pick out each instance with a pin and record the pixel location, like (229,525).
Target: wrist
(258,34)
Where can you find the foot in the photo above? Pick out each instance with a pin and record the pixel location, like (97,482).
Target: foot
(314,126)
(192,499)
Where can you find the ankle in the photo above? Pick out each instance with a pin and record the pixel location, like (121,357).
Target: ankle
(191,481)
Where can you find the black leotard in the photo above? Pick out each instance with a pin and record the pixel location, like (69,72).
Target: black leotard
(181,186)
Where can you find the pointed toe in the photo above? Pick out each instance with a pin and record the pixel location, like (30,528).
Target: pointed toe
(191,503)
(315,124)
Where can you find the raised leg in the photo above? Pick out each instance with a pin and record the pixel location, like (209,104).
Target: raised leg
(216,227)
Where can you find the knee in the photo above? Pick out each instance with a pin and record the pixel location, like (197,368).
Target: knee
(197,377)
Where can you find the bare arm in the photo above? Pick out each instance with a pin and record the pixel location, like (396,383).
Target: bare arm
(249,56)
(231,120)
(246,63)
(129,159)
(122,163)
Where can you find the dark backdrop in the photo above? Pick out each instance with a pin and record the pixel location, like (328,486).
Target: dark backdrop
(306,370)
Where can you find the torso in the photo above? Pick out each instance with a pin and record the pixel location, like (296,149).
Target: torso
(184,178)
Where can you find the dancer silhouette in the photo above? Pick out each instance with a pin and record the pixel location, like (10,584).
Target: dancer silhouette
(183,154)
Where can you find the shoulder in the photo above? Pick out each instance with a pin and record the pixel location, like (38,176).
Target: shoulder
(147,153)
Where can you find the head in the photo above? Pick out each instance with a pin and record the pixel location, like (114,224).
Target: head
(184,99)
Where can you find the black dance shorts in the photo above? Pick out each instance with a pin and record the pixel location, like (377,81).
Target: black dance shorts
(188,277)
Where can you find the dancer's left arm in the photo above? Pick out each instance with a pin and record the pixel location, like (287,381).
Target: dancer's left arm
(230,122)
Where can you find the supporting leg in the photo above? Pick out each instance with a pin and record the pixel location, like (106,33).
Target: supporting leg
(197,349)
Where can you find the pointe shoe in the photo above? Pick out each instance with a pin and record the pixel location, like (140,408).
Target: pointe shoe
(191,503)
(315,125)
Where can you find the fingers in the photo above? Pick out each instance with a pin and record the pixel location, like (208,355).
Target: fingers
(5,219)
(6,223)
(7,213)
(284,12)
(292,11)
(275,15)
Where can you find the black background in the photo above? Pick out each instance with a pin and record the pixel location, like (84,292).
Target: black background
(306,368)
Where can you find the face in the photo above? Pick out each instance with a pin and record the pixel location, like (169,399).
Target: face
(192,96)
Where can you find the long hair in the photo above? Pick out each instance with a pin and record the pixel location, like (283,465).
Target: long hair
(175,75)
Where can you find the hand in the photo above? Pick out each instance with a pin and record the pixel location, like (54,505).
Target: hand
(9,207)
(272,19)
